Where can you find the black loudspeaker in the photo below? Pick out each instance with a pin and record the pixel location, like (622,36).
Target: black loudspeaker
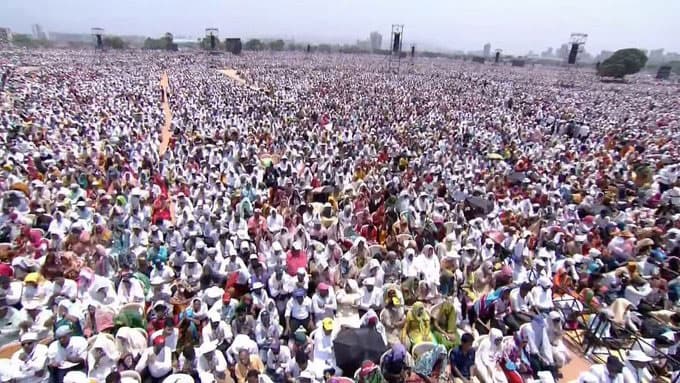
(519,63)
(396,45)
(572,54)
(664,73)
(498,57)
(413,51)
(100,43)
(233,45)
(477,59)
(212,42)
(309,48)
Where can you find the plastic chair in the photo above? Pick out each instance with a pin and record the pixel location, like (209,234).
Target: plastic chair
(401,238)
(131,374)
(434,310)
(422,348)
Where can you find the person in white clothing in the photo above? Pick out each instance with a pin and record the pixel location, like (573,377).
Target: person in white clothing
(635,367)
(371,298)
(155,363)
(66,353)
(29,364)
(217,332)
(610,372)
(428,265)
(324,304)
(211,363)
(130,289)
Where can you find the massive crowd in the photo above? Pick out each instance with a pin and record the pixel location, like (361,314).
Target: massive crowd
(332,221)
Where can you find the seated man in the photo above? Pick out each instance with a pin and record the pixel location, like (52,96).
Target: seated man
(66,353)
(155,363)
(29,363)
(247,362)
(211,363)
(462,360)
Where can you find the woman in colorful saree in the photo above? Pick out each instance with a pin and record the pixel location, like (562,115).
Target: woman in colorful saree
(445,325)
(417,327)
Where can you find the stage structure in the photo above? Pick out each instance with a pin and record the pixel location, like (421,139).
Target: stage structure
(98,38)
(396,41)
(497,59)
(577,42)
(212,36)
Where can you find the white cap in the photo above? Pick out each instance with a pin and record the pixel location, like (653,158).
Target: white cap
(29,337)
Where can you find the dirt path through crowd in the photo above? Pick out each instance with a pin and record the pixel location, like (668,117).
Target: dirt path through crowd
(166,133)
(233,74)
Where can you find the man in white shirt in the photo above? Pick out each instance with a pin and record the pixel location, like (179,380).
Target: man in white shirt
(211,363)
(130,289)
(520,305)
(541,295)
(611,372)
(169,332)
(29,364)
(155,363)
(66,353)
(278,358)
(11,290)
(371,297)
(298,312)
(324,303)
(217,332)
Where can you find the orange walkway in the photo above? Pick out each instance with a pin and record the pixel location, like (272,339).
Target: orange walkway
(165,132)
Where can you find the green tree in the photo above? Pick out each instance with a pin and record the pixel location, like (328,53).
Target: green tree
(253,45)
(325,48)
(168,38)
(623,62)
(22,40)
(277,45)
(675,66)
(114,42)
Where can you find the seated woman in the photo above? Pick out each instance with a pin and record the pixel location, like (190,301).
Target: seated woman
(488,358)
(395,363)
(515,363)
(432,364)
(393,316)
(102,357)
(417,326)
(446,325)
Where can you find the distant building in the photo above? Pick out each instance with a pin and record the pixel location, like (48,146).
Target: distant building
(38,32)
(487,50)
(5,37)
(364,45)
(376,41)
(548,53)
(656,55)
(563,52)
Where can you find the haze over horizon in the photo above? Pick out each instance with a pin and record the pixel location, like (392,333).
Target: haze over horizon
(514,26)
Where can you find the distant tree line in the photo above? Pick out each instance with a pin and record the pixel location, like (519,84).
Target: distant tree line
(27,41)
(165,42)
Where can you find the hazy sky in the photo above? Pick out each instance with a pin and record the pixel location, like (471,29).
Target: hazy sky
(513,25)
